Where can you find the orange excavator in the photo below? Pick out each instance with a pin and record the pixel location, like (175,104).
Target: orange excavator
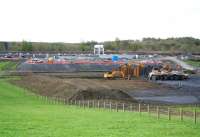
(125,71)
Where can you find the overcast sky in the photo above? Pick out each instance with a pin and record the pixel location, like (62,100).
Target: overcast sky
(100,20)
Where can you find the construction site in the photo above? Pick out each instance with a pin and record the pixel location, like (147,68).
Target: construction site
(119,77)
(99,68)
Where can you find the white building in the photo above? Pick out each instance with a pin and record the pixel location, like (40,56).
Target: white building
(98,49)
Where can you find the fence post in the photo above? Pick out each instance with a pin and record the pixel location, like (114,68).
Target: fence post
(181,114)
(70,102)
(88,104)
(110,105)
(116,107)
(104,104)
(50,100)
(83,104)
(98,104)
(131,107)
(58,100)
(75,102)
(93,104)
(79,103)
(158,114)
(139,109)
(195,116)
(169,114)
(66,101)
(123,107)
(148,109)
(47,100)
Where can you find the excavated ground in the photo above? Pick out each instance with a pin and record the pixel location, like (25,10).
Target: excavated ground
(82,89)
(117,90)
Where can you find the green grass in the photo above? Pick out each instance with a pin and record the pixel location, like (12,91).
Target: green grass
(193,63)
(8,65)
(26,116)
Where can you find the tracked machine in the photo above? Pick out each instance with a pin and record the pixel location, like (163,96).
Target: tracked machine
(167,73)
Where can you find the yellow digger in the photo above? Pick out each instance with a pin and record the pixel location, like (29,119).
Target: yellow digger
(113,74)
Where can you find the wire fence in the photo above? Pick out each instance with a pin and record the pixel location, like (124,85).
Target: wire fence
(182,113)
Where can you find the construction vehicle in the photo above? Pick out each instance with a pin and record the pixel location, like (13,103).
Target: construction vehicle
(50,60)
(167,73)
(113,74)
(125,71)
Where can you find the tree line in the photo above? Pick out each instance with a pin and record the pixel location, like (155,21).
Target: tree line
(184,44)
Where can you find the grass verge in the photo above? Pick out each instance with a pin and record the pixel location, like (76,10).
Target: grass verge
(8,65)
(22,115)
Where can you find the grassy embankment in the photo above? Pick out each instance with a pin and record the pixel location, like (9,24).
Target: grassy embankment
(22,115)
(8,65)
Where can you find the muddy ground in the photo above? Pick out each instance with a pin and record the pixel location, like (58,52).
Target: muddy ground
(119,90)
(182,92)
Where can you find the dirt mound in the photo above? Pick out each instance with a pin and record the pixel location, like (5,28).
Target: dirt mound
(80,89)
(113,94)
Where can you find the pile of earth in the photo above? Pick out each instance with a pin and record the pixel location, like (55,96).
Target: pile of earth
(97,89)
(79,89)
